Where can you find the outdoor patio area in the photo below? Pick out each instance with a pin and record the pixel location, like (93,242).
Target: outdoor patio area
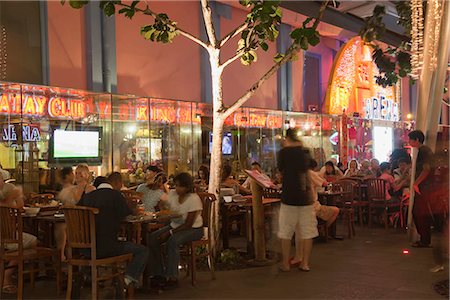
(370,266)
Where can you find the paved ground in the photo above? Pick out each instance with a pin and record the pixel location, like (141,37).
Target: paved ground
(370,266)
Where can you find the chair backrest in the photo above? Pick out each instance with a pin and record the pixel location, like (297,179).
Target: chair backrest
(11,227)
(133,198)
(349,189)
(80,230)
(376,189)
(207,201)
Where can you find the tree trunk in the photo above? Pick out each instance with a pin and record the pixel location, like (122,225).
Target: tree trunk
(216,151)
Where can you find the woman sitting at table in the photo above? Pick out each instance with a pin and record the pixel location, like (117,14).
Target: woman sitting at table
(184,229)
(353,169)
(331,174)
(364,170)
(153,192)
(229,182)
(11,195)
(391,187)
(202,180)
(70,195)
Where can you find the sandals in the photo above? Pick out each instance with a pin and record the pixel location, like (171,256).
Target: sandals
(420,245)
(294,264)
(9,289)
(304,268)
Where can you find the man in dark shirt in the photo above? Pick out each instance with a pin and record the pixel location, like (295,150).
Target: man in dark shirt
(423,187)
(112,210)
(297,211)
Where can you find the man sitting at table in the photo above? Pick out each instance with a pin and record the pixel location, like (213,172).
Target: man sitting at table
(112,210)
(11,195)
(324,212)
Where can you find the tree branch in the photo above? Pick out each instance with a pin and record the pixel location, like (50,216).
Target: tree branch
(322,9)
(147,11)
(293,49)
(232,34)
(207,17)
(231,60)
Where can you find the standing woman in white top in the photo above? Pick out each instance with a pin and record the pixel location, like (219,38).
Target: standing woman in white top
(188,227)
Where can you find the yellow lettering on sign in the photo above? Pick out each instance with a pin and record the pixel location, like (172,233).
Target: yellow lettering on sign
(142,113)
(29,108)
(4,104)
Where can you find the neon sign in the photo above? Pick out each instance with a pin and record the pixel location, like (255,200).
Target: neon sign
(352,82)
(29,133)
(254,120)
(381,109)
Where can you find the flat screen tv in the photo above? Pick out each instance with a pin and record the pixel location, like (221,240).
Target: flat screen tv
(227,143)
(69,147)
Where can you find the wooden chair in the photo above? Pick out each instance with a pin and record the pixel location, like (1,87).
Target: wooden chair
(358,202)
(11,232)
(347,205)
(208,200)
(81,234)
(376,191)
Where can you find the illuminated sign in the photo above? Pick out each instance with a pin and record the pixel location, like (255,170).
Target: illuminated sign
(352,83)
(29,133)
(76,109)
(381,109)
(254,120)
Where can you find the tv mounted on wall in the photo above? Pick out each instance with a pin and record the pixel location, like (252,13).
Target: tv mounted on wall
(70,147)
(227,143)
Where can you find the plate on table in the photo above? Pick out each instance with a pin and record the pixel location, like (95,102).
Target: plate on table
(59,215)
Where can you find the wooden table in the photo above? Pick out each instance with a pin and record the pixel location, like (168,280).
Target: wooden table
(247,206)
(48,219)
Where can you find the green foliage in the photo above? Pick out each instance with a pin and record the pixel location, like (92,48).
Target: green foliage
(394,62)
(229,257)
(262,26)
(373,26)
(162,30)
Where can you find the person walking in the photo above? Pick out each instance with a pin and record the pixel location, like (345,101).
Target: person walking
(423,187)
(297,209)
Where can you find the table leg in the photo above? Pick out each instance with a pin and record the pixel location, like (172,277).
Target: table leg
(225,222)
(249,225)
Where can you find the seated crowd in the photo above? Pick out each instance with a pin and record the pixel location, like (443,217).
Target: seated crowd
(105,194)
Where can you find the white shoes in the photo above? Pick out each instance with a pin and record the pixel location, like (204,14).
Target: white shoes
(437,268)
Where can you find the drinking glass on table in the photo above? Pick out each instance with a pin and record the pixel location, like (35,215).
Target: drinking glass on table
(140,209)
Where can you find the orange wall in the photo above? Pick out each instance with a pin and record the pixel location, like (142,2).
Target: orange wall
(148,68)
(238,78)
(66,41)
(172,71)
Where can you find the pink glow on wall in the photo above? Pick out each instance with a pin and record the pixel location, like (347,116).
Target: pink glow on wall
(159,70)
(66,41)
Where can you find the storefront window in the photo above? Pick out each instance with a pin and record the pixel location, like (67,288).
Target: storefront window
(46,128)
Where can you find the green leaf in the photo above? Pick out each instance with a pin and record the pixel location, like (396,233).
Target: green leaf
(245,3)
(306,22)
(277,58)
(109,9)
(133,5)
(304,43)
(77,4)
(264,46)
